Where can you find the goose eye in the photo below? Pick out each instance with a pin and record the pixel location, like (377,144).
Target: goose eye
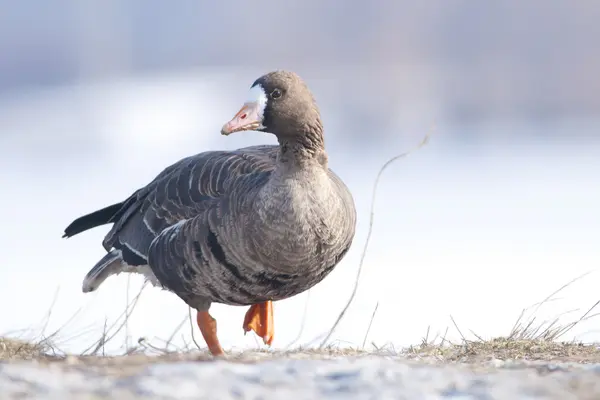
(275,94)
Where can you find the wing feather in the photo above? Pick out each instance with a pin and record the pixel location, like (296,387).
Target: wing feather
(182,191)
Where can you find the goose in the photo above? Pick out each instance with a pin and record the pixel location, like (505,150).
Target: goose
(245,227)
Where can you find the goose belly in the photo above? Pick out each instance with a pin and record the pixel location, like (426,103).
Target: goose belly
(254,285)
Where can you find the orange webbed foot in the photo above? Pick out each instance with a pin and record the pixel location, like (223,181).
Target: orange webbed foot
(259,318)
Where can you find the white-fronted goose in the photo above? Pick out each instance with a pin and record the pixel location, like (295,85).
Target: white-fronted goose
(243,227)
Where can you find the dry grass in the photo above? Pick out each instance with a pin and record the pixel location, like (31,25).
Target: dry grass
(477,351)
(506,349)
(529,339)
(16,349)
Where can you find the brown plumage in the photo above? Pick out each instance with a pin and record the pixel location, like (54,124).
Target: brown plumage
(243,227)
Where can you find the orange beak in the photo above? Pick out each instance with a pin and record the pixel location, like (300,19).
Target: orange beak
(249,118)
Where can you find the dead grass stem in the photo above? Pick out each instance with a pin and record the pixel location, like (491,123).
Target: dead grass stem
(369,232)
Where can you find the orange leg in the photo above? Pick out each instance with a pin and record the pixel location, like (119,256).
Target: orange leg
(259,319)
(208,327)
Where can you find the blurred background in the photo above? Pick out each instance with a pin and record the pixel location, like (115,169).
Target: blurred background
(497,212)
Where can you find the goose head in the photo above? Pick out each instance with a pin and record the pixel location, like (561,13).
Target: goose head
(279,103)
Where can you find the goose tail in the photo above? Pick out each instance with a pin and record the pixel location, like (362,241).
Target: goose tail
(92,220)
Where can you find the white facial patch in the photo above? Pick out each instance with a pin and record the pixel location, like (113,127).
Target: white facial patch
(258,97)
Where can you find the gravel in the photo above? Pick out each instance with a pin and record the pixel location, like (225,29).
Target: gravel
(369,377)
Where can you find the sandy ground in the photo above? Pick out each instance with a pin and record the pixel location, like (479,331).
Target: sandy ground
(501,370)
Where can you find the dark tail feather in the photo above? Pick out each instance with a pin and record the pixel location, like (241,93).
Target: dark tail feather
(92,220)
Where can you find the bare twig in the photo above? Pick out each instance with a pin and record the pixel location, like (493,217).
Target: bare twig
(425,339)
(49,341)
(444,337)
(560,289)
(476,335)
(584,317)
(458,329)
(147,345)
(529,329)
(304,314)
(106,337)
(192,329)
(49,313)
(364,253)
(179,326)
(370,323)
(127,319)
(186,344)
(102,340)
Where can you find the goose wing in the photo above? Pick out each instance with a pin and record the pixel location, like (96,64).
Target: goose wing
(180,192)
